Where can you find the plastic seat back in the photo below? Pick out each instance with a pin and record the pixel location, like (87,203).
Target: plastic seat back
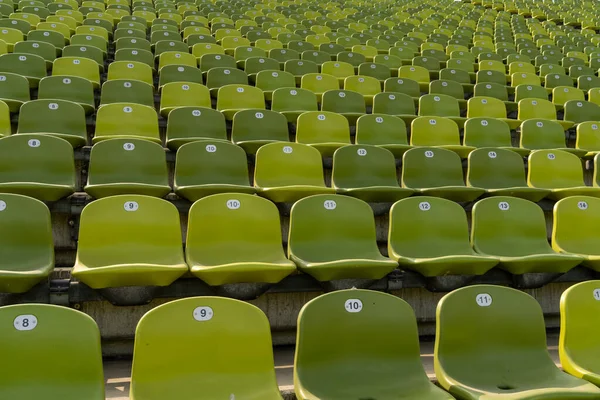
(354,327)
(293,101)
(581,111)
(357,166)
(322,127)
(343,101)
(588,136)
(434,131)
(130,70)
(37,337)
(574,229)
(76,66)
(232,98)
(126,91)
(415,73)
(14,90)
(240,335)
(288,164)
(431,167)
(542,134)
(380,129)
(491,168)
(481,106)
(30,66)
(439,105)
(554,169)
(530,108)
(487,132)
(251,128)
(119,120)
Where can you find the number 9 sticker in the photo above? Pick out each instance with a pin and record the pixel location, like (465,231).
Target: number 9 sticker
(131,206)
(353,305)
(203,313)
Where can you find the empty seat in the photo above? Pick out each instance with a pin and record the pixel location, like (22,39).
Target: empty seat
(246,222)
(183,94)
(126,120)
(287,172)
(14,90)
(27,251)
(222,76)
(130,70)
(501,172)
(326,131)
(581,111)
(539,134)
(60,118)
(188,124)
(559,171)
(374,334)
(293,102)
(345,102)
(53,344)
(319,83)
(253,128)
(37,166)
(209,166)
(333,237)
(385,131)
(514,231)
(490,132)
(30,66)
(530,108)
(441,105)
(438,131)
(127,166)
(72,88)
(234,98)
(129,240)
(126,91)
(502,337)
(239,334)
(578,347)
(588,138)
(5,127)
(490,107)
(367,173)
(436,172)
(430,235)
(77,66)
(575,228)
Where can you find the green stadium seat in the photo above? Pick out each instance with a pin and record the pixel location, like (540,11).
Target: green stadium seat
(249,223)
(490,132)
(126,120)
(218,77)
(60,118)
(73,89)
(29,66)
(37,337)
(188,124)
(539,134)
(333,237)
(579,111)
(27,244)
(132,55)
(239,334)
(179,73)
(126,91)
(559,171)
(130,70)
(38,166)
(14,90)
(208,167)
(501,172)
(514,231)
(5,128)
(588,138)
(127,166)
(386,131)
(574,229)
(253,128)
(440,132)
(577,346)
(490,107)
(79,67)
(42,49)
(502,337)
(441,105)
(234,98)
(293,102)
(286,172)
(373,334)
(129,240)
(436,172)
(394,103)
(430,235)
(534,108)
(183,94)
(345,102)
(368,173)
(319,83)
(324,130)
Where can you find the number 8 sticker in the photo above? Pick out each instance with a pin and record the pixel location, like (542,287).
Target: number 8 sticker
(25,322)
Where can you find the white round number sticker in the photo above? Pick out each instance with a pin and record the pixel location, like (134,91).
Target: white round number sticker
(361,152)
(259,115)
(127,109)
(34,143)
(582,205)
(330,205)
(424,206)
(492,154)
(211,148)
(2,205)
(503,206)
(26,322)
(597,294)
(240,90)
(53,106)
(203,313)
(353,305)
(429,154)
(131,206)
(321,117)
(551,156)
(129,146)
(233,204)
(196,113)
(483,300)
(287,149)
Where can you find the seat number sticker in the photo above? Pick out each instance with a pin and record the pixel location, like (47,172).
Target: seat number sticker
(483,300)
(353,305)
(203,313)
(26,322)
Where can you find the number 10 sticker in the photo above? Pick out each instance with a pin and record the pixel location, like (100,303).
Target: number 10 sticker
(353,305)
(203,313)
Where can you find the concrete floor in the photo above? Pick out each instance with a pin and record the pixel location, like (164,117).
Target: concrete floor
(118,373)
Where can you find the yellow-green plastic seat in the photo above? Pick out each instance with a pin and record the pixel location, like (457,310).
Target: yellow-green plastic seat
(60,118)
(286,172)
(324,130)
(441,105)
(30,66)
(579,326)
(514,231)
(345,102)
(386,131)
(416,73)
(490,107)
(14,90)
(368,335)
(319,83)
(436,172)
(588,138)
(126,120)
(130,70)
(501,172)
(39,166)
(253,128)
(129,240)
(539,134)
(234,98)
(5,126)
(75,89)
(77,66)
(246,222)
(368,173)
(127,166)
(530,108)
(574,229)
(503,354)
(239,335)
(188,124)
(559,171)
(209,166)
(125,91)
(490,132)
(581,111)
(293,102)
(183,94)
(333,237)
(430,235)
(51,346)
(27,251)
(395,103)
(439,132)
